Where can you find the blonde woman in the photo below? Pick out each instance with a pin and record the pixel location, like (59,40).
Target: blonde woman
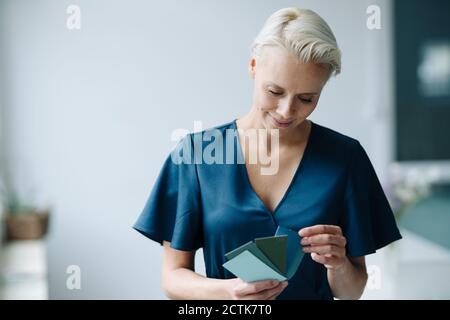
(324,186)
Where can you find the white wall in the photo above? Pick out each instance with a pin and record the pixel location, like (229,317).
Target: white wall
(90,112)
(2,128)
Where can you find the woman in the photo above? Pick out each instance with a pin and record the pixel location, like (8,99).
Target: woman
(324,185)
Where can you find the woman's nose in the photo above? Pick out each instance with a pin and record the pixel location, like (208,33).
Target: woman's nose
(285,107)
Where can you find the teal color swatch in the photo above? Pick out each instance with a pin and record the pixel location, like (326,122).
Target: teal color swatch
(277,257)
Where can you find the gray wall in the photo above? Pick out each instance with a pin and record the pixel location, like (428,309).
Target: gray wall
(90,112)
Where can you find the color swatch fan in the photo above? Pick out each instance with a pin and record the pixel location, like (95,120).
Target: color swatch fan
(277,257)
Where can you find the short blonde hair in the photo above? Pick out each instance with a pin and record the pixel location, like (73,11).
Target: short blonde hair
(304,33)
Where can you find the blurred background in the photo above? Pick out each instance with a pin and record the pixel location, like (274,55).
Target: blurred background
(90,92)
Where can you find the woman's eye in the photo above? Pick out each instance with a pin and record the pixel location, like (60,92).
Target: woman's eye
(275,93)
(305,100)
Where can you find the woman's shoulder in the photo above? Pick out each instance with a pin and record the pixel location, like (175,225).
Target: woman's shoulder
(211,143)
(200,134)
(217,129)
(214,135)
(330,137)
(336,146)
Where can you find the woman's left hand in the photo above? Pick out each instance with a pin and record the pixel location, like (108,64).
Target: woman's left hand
(326,245)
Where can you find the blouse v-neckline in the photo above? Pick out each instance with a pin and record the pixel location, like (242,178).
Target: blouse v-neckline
(291,183)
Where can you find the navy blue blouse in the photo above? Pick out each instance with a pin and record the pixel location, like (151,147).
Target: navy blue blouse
(213,206)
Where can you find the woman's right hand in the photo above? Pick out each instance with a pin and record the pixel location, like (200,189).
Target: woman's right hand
(238,289)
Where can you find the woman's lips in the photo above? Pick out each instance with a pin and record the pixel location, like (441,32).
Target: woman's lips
(281,124)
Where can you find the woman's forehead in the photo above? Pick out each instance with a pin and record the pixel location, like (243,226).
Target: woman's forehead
(284,69)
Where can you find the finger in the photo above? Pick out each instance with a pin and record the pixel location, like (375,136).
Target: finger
(255,287)
(332,261)
(320,228)
(284,284)
(325,249)
(274,296)
(325,238)
(267,294)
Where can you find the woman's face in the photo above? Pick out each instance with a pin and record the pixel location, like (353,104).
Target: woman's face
(286,91)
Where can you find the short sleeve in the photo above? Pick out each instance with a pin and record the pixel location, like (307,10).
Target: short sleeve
(367,221)
(173,211)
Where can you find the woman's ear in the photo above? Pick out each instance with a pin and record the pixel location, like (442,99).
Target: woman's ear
(252,67)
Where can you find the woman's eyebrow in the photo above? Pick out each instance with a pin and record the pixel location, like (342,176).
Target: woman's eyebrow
(278,87)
